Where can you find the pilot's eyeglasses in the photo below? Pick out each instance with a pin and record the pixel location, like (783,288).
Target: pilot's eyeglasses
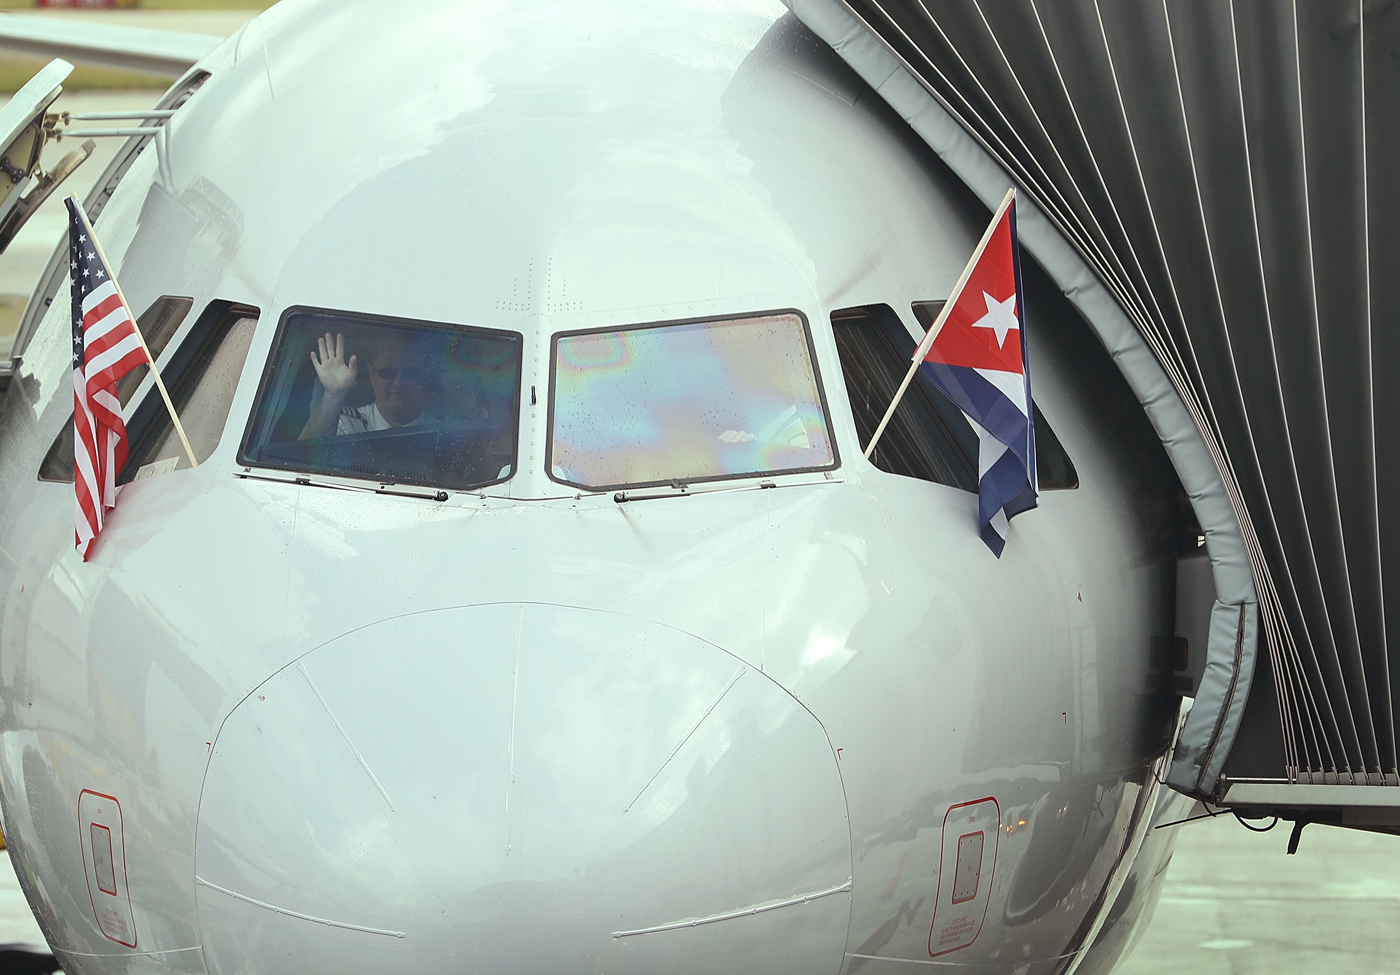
(409,374)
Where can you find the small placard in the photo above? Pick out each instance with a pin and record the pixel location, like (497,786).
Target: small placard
(157,467)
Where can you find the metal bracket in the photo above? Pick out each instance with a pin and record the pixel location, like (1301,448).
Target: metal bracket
(1373,807)
(62,134)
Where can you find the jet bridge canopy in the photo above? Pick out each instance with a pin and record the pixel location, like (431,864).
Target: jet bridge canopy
(1212,187)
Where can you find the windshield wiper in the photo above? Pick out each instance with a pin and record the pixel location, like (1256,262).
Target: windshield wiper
(682,490)
(308,480)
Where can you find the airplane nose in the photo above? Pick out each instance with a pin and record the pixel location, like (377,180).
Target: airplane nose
(522,788)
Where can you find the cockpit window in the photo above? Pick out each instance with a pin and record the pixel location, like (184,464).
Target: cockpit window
(388,400)
(687,402)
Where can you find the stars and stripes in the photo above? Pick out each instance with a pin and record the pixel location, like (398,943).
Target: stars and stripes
(106,346)
(978,359)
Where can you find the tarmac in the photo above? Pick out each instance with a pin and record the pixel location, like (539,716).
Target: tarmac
(1234,903)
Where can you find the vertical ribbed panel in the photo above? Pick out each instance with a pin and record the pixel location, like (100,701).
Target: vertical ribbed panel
(1380,40)
(1229,171)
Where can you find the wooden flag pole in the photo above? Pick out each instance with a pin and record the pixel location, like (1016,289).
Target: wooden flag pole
(937,325)
(155,373)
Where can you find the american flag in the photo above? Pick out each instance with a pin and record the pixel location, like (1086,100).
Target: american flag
(106,346)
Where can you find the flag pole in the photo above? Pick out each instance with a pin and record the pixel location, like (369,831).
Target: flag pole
(155,373)
(937,325)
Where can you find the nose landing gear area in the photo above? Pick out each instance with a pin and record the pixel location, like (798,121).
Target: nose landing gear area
(524,788)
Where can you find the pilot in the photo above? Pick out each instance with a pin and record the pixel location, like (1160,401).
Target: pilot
(396,373)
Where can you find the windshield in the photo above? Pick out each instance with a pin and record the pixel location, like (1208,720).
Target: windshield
(687,402)
(388,400)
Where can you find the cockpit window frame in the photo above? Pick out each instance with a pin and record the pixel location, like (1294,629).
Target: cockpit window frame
(665,323)
(274,359)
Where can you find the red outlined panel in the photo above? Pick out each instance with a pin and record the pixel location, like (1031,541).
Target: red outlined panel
(104,856)
(966,870)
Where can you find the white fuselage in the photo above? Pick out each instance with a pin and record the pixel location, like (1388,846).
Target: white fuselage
(532,729)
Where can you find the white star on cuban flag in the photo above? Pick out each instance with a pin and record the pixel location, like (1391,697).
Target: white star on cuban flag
(978,359)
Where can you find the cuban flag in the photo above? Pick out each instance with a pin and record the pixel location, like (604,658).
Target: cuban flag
(975,352)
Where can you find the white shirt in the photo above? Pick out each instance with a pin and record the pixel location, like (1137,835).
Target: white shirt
(367,419)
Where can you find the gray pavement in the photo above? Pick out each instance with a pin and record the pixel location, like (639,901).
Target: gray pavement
(1234,903)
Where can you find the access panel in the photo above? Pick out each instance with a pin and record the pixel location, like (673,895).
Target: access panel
(970,832)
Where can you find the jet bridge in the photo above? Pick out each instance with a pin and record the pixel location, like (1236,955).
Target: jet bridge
(1212,187)
(28,125)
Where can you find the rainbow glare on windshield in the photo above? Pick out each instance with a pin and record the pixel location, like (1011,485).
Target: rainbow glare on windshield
(697,401)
